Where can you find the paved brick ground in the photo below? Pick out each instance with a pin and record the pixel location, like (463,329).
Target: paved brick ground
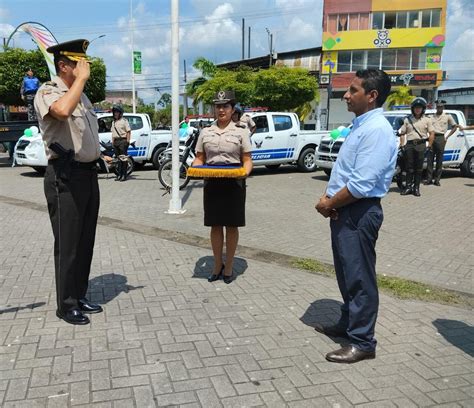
(169,338)
(427,239)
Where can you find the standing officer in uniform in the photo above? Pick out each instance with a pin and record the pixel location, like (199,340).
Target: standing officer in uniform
(417,129)
(441,122)
(29,87)
(243,119)
(70,132)
(360,178)
(120,140)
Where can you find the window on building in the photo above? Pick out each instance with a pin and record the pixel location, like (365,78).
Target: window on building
(344,61)
(363,21)
(415,58)
(422,62)
(332,23)
(353,22)
(373,59)
(377,21)
(426,18)
(413,19)
(342,22)
(403,59)
(388,59)
(435,18)
(390,20)
(358,60)
(402,19)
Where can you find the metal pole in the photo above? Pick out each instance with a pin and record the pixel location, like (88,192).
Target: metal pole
(329,97)
(271,49)
(185,95)
(250,31)
(243,38)
(133,59)
(175,201)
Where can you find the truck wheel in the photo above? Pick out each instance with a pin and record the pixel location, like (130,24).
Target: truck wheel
(327,172)
(158,158)
(39,170)
(307,160)
(467,166)
(272,166)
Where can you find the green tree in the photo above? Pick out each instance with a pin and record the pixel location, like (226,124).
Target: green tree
(401,96)
(165,100)
(15,61)
(208,70)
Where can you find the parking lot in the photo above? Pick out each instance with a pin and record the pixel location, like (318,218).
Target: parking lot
(427,239)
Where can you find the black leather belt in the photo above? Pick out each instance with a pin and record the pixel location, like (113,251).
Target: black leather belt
(439,134)
(77,165)
(416,141)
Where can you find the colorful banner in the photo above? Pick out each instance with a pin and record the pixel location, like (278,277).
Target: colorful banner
(43,39)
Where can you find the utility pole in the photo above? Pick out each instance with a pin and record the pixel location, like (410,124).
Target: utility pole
(270,44)
(243,38)
(133,59)
(329,96)
(175,201)
(250,32)
(185,95)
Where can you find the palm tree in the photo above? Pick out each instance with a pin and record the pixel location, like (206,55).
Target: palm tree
(208,70)
(401,96)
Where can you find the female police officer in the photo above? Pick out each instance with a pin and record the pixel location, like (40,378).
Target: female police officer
(416,129)
(224,143)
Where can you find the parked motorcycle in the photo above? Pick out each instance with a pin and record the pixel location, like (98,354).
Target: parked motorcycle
(187,155)
(109,162)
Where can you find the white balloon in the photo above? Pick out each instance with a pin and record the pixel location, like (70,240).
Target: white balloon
(340,128)
(34,130)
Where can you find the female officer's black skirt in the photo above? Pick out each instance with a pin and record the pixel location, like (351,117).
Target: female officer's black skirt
(224,202)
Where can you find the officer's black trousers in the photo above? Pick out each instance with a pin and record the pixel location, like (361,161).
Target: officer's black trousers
(436,153)
(73,207)
(353,237)
(414,157)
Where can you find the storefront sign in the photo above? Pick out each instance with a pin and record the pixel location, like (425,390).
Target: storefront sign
(413,79)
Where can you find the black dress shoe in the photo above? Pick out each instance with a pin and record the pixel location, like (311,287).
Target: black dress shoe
(228,278)
(87,307)
(349,355)
(215,276)
(436,183)
(73,316)
(427,182)
(332,331)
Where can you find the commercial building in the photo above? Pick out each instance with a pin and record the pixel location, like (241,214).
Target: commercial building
(461,99)
(405,38)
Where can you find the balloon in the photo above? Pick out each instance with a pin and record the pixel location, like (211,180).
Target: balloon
(28,132)
(335,133)
(340,128)
(345,132)
(35,130)
(183,133)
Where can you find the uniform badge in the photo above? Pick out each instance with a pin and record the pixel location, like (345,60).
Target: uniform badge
(221,95)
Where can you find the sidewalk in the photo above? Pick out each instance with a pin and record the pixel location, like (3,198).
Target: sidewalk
(170,338)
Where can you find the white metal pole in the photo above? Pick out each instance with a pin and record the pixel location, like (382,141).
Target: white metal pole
(133,59)
(175,201)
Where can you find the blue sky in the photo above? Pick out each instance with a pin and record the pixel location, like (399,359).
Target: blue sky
(208,28)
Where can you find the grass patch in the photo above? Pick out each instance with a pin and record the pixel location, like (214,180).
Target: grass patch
(397,287)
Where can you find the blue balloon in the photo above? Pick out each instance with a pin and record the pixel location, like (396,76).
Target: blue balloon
(183,133)
(345,132)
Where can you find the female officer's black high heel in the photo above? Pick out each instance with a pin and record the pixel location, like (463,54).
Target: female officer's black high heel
(213,276)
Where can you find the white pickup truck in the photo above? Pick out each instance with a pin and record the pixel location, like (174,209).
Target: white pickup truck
(278,140)
(149,144)
(459,151)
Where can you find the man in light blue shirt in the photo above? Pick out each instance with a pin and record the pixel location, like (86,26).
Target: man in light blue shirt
(360,178)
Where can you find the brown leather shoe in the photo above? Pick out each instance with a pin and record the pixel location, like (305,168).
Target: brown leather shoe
(332,331)
(349,355)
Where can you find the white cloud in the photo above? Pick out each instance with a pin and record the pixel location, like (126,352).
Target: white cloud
(6,30)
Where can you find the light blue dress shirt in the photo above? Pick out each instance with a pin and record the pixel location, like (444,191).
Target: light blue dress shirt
(367,158)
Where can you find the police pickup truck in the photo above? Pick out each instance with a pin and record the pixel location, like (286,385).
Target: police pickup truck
(278,140)
(149,144)
(458,153)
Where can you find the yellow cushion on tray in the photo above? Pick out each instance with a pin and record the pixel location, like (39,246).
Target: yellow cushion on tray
(216,172)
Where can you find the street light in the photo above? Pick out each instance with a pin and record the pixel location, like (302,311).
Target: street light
(96,38)
(270,43)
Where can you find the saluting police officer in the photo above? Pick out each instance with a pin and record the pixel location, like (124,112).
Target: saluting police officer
(70,132)
(441,122)
(416,130)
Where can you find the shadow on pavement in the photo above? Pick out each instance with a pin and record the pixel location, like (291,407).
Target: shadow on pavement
(104,288)
(194,184)
(18,308)
(32,174)
(205,264)
(459,334)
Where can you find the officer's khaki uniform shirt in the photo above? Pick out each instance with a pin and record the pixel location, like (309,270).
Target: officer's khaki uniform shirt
(120,128)
(79,132)
(247,120)
(423,125)
(224,146)
(442,122)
